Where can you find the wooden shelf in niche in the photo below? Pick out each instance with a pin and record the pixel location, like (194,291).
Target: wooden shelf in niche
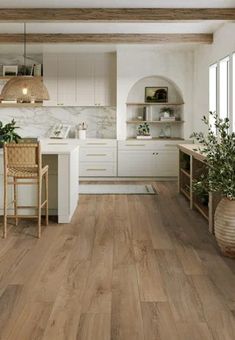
(161,104)
(154,122)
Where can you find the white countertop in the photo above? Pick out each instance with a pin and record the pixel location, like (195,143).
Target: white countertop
(56,146)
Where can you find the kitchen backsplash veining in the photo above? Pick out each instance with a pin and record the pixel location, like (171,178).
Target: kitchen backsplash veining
(38,121)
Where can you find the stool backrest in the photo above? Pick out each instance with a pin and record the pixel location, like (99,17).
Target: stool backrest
(22,155)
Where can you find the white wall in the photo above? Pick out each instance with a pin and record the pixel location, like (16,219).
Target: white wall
(223,45)
(136,63)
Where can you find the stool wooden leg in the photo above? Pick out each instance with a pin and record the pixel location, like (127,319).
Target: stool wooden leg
(15,201)
(39,206)
(5,209)
(46,194)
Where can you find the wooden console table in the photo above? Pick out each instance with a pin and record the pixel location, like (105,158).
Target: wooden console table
(191,166)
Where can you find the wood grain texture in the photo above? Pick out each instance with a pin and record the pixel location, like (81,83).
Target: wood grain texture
(161,38)
(115,14)
(128,267)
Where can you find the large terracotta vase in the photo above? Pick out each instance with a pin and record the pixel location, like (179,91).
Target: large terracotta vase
(225,226)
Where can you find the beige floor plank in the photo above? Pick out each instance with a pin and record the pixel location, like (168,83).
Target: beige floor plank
(97,297)
(32,321)
(194,331)
(138,218)
(123,247)
(94,327)
(158,321)
(150,282)
(126,317)
(181,293)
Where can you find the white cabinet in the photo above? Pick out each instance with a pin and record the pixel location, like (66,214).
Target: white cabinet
(50,78)
(104,79)
(98,158)
(147,159)
(66,68)
(84,79)
(135,163)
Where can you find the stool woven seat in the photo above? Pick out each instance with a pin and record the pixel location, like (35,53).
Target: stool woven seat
(24,161)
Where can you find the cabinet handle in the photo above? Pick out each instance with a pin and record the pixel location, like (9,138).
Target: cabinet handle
(96,143)
(155,153)
(135,145)
(96,169)
(96,154)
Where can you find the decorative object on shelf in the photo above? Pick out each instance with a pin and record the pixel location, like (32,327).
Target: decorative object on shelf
(147,113)
(143,131)
(156,94)
(219,151)
(8,134)
(37,70)
(162,133)
(167,114)
(10,70)
(24,87)
(82,130)
(167,130)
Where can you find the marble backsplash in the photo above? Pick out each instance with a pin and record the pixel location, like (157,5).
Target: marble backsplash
(37,122)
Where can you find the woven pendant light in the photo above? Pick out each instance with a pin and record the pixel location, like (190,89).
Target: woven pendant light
(25,88)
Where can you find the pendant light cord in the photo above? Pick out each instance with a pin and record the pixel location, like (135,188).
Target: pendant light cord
(24,48)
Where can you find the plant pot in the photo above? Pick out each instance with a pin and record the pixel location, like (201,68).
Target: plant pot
(225,226)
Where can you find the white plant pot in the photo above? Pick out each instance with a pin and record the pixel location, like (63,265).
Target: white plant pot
(82,134)
(225,226)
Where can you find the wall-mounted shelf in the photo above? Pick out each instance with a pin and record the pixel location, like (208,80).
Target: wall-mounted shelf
(10,77)
(161,104)
(154,122)
(22,105)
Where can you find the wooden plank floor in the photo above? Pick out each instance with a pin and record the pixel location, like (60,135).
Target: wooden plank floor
(135,267)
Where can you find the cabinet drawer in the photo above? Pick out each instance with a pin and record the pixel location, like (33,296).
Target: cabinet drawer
(97,154)
(98,169)
(98,143)
(139,145)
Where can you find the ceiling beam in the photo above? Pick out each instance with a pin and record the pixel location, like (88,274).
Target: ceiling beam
(108,38)
(114,14)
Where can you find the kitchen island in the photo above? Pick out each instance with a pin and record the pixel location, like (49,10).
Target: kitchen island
(62,156)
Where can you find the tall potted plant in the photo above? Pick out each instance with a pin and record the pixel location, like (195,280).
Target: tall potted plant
(219,150)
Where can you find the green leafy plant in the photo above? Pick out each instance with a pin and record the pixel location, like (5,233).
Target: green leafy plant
(7,132)
(219,150)
(143,129)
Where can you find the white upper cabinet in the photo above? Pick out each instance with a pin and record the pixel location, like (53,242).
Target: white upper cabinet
(85,80)
(66,80)
(105,79)
(50,78)
(81,79)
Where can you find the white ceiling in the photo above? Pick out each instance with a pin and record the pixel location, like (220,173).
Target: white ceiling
(116,3)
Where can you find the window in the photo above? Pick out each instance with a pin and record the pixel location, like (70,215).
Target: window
(224,87)
(233,94)
(213,93)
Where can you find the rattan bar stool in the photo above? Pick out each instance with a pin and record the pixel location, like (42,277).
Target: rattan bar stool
(23,166)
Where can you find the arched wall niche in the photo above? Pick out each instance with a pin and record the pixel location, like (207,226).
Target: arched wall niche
(137,91)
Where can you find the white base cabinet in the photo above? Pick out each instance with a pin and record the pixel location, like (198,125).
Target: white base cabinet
(98,158)
(147,158)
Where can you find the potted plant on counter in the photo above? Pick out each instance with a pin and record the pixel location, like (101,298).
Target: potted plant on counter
(8,134)
(219,150)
